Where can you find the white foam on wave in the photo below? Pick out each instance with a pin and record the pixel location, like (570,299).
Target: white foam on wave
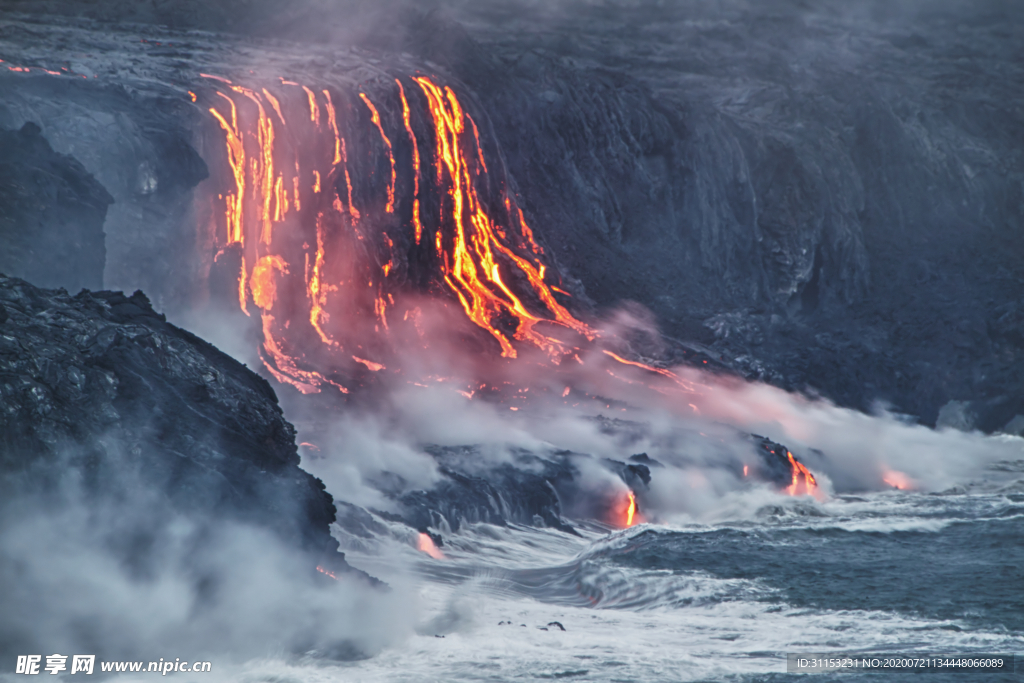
(644,624)
(879,512)
(706,642)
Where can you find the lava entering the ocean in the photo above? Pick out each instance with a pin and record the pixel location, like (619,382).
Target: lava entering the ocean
(631,510)
(803,481)
(625,512)
(361,227)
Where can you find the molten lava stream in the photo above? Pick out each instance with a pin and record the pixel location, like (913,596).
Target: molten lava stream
(803,482)
(351,271)
(627,513)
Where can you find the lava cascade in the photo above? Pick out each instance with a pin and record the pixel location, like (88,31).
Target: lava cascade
(632,514)
(803,482)
(338,210)
(321,243)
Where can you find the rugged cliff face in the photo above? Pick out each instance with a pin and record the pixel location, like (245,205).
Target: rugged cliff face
(138,148)
(100,390)
(51,228)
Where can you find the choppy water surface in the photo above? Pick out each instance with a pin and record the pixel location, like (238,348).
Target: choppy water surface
(886,572)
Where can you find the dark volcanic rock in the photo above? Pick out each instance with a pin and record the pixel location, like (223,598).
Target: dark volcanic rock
(474,490)
(138,144)
(775,465)
(51,214)
(98,387)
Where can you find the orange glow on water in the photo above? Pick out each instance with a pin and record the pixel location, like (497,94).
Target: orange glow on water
(425,544)
(898,480)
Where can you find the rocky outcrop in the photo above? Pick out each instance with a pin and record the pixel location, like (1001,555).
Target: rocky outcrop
(136,142)
(99,389)
(553,490)
(51,214)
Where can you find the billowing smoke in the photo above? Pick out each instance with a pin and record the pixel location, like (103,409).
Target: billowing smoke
(128,576)
(695,423)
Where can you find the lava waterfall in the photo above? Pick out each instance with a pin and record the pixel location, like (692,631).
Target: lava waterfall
(340,213)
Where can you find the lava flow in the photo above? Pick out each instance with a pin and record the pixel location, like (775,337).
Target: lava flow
(803,481)
(631,510)
(362,226)
(626,512)
(317,222)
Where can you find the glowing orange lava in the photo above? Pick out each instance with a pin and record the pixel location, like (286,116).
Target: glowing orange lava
(263,282)
(625,513)
(631,510)
(375,116)
(314,110)
(370,365)
(803,481)
(650,368)
(236,157)
(417,224)
(326,572)
(482,254)
(471,266)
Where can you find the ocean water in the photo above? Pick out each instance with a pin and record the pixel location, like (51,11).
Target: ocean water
(888,572)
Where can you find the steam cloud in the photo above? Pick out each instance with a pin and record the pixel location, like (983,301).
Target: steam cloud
(695,423)
(127,577)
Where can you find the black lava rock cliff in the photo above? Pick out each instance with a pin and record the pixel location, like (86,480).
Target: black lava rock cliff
(51,225)
(101,388)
